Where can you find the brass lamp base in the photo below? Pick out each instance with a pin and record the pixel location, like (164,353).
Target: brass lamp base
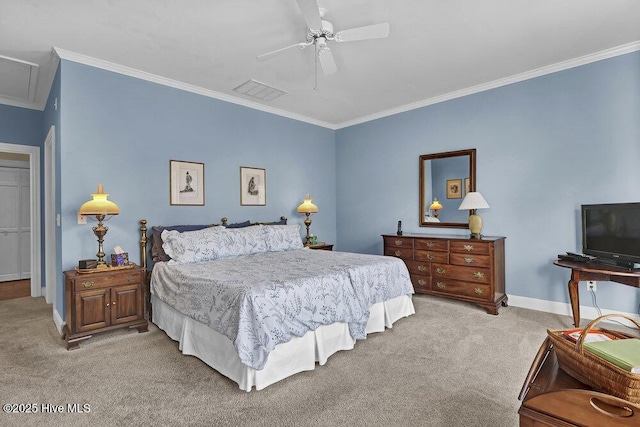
(100,231)
(475,226)
(307,222)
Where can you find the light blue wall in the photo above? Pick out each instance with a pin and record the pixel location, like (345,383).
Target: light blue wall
(544,147)
(121,132)
(21,126)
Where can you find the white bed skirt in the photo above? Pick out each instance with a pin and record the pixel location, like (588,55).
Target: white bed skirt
(299,354)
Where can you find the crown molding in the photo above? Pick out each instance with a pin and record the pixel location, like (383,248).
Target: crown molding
(143,75)
(538,72)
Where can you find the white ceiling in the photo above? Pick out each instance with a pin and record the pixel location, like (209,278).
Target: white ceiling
(437,49)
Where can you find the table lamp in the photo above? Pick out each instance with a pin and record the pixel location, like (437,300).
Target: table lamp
(435,207)
(307,208)
(100,207)
(471,202)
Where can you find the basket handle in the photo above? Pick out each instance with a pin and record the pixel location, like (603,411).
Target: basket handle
(591,324)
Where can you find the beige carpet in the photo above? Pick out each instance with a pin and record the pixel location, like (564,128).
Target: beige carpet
(450,364)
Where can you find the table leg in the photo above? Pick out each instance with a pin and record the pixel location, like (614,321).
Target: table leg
(575,300)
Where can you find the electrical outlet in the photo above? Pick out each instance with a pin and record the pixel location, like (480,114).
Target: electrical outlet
(591,285)
(82,219)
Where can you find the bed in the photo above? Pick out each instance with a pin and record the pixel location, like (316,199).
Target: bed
(253,303)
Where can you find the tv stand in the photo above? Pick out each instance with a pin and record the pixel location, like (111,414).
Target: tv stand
(582,271)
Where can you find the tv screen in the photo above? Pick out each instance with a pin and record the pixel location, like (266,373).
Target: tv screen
(611,232)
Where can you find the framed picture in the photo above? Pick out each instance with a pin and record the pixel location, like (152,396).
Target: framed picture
(253,187)
(454,189)
(186,183)
(467,186)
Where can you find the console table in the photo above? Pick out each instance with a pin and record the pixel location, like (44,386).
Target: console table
(550,397)
(585,271)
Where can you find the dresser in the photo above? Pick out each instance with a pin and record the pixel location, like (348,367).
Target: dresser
(452,266)
(101,301)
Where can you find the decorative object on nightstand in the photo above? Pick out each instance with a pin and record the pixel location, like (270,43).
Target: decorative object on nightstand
(322,246)
(103,300)
(307,207)
(471,202)
(100,207)
(435,207)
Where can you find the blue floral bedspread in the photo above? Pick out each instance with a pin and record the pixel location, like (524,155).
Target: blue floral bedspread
(261,300)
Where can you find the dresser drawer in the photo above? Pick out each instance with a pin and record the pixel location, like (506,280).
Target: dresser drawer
(431,256)
(404,253)
(420,283)
(432,245)
(456,272)
(88,281)
(457,287)
(468,247)
(419,268)
(470,260)
(400,242)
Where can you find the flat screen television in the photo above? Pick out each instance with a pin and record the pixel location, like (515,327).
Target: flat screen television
(611,233)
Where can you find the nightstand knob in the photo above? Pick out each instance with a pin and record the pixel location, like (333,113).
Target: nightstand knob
(468,248)
(430,244)
(113,303)
(107,304)
(398,242)
(131,279)
(87,284)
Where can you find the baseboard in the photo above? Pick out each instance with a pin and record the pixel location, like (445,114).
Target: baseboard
(57,319)
(564,309)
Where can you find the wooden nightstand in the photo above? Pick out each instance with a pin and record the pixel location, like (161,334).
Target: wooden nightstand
(322,246)
(103,301)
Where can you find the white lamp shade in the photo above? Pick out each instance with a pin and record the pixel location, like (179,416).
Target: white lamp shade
(473,200)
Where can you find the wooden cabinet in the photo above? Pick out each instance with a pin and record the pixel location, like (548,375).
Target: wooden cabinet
(454,267)
(102,301)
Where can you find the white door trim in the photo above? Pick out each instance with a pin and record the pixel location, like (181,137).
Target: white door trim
(34,195)
(50,247)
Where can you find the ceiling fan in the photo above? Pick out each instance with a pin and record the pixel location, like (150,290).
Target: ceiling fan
(321,32)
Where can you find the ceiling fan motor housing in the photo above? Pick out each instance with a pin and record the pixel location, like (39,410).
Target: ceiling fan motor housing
(326,31)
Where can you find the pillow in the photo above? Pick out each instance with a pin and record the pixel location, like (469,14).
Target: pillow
(239,224)
(283,237)
(191,246)
(157,253)
(281,222)
(241,241)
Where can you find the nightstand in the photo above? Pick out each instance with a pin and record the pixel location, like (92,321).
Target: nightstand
(322,246)
(102,301)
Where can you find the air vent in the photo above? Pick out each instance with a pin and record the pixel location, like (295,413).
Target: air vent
(255,89)
(17,79)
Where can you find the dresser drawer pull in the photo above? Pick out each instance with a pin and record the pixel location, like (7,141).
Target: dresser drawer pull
(398,242)
(422,282)
(441,285)
(440,270)
(479,291)
(131,278)
(87,284)
(468,260)
(398,253)
(478,275)
(468,248)
(422,268)
(431,244)
(431,257)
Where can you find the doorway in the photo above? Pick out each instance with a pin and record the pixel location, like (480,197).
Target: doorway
(31,197)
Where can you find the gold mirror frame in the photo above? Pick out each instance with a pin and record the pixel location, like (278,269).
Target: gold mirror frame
(424,204)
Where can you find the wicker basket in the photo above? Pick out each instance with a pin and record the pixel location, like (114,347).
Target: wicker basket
(590,369)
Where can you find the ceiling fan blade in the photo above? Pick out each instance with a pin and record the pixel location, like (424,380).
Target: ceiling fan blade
(311,14)
(327,62)
(300,45)
(376,31)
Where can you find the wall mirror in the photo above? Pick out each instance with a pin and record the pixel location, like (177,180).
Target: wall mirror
(445,178)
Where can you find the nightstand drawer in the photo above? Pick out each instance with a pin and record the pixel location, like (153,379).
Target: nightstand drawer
(99,280)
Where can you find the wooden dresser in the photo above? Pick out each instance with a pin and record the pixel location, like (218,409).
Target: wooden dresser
(102,301)
(452,266)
